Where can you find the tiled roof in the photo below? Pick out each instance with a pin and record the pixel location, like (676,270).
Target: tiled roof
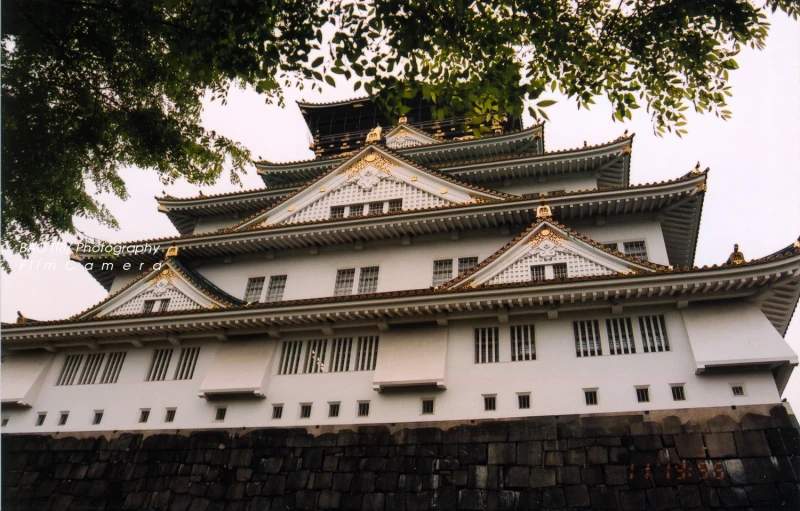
(231,194)
(331,103)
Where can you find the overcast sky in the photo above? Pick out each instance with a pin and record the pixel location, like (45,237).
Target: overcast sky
(753,196)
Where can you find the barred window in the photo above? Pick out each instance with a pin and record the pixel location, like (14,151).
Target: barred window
(277,284)
(344,282)
(186,363)
(290,357)
(654,333)
(537,273)
(91,368)
(221,413)
(643,394)
(560,271)
(98,417)
(69,370)
(144,416)
(590,396)
(363,409)
(486,345)
(366,353)
(489,403)
(612,246)
(340,354)
(738,390)
(635,249)
(113,367)
(524,401)
(170,416)
(162,306)
(375,207)
(368,280)
(253,291)
(442,271)
(356,210)
(333,410)
(148,306)
(305,411)
(620,336)
(40,418)
(337,212)
(395,205)
(427,407)
(62,419)
(277,411)
(523,343)
(587,338)
(678,393)
(159,365)
(315,356)
(466,263)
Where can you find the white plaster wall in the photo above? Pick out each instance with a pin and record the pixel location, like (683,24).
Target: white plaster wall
(215,223)
(582,181)
(555,380)
(619,232)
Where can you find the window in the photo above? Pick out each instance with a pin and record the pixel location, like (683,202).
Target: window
(590,396)
(654,333)
(144,416)
(162,306)
(537,273)
(4,422)
(368,280)
(90,369)
(356,210)
(253,291)
(363,409)
(489,403)
(220,415)
(466,263)
(148,306)
(636,249)
(643,394)
(333,410)
(113,367)
(442,271)
(738,390)
(69,370)
(159,365)
(62,419)
(395,205)
(170,416)
(523,343)
(427,407)
(612,246)
(337,212)
(340,354)
(151,305)
(524,401)
(620,336)
(344,282)
(678,393)
(40,419)
(186,363)
(98,417)
(560,271)
(366,353)
(486,345)
(277,411)
(290,357)
(315,356)
(305,411)
(277,283)
(587,338)
(375,207)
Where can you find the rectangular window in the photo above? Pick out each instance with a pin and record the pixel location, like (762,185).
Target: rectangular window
(344,282)
(40,419)
(587,338)
(395,205)
(315,356)
(590,396)
(375,208)
(427,407)
(290,357)
(98,417)
(612,246)
(489,403)
(368,280)
(524,401)
(62,419)
(738,390)
(537,273)
(69,370)
(442,271)
(91,368)
(220,415)
(252,293)
(487,345)
(170,416)
(560,271)
(305,411)
(149,305)
(363,409)
(333,410)
(643,394)
(340,354)
(162,306)
(159,365)
(277,283)
(620,336)
(277,411)
(654,333)
(366,353)
(636,249)
(466,263)
(356,210)
(4,422)
(113,367)
(144,416)
(523,343)
(186,362)
(678,393)
(337,212)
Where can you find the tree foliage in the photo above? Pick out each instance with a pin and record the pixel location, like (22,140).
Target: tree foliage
(92,86)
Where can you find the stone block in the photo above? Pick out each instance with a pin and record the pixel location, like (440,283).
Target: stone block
(754,421)
(732,496)
(419,501)
(568,475)
(751,444)
(542,477)
(602,498)
(690,445)
(592,475)
(472,453)
(502,453)
(517,477)
(305,500)
(329,499)
(553,498)
(409,483)
(478,476)
(763,494)
(373,502)
(671,425)
(647,442)
(616,475)
(529,453)
(597,455)
(556,445)
(619,455)
(722,424)
(445,498)
(662,498)
(387,482)
(577,496)
(554,459)
(471,499)
(501,500)
(720,445)
(297,480)
(342,482)
(633,500)
(525,431)
(575,457)
(395,502)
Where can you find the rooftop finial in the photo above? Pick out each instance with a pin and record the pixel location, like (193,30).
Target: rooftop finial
(402,120)
(374,134)
(736,257)
(696,170)
(585,144)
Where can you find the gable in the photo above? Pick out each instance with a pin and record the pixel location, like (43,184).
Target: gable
(403,136)
(157,289)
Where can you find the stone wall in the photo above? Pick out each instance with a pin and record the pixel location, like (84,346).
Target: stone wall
(710,458)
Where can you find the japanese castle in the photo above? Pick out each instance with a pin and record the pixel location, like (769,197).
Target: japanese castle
(412,272)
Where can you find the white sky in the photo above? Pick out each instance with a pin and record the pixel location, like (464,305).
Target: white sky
(753,197)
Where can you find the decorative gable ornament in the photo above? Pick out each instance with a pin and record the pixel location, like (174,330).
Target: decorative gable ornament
(406,136)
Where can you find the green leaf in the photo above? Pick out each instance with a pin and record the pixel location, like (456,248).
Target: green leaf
(318,62)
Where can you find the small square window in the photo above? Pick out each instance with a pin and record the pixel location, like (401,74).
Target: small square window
(5,422)
(489,403)
(466,263)
(305,411)
(277,411)
(220,415)
(375,208)
(344,282)
(357,210)
(537,273)
(643,395)
(252,293)
(678,393)
(337,212)
(524,401)
(62,419)
(560,271)
(170,416)
(98,417)
(395,205)
(40,419)
(738,390)
(590,396)
(333,410)
(144,416)
(363,409)
(636,249)
(427,407)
